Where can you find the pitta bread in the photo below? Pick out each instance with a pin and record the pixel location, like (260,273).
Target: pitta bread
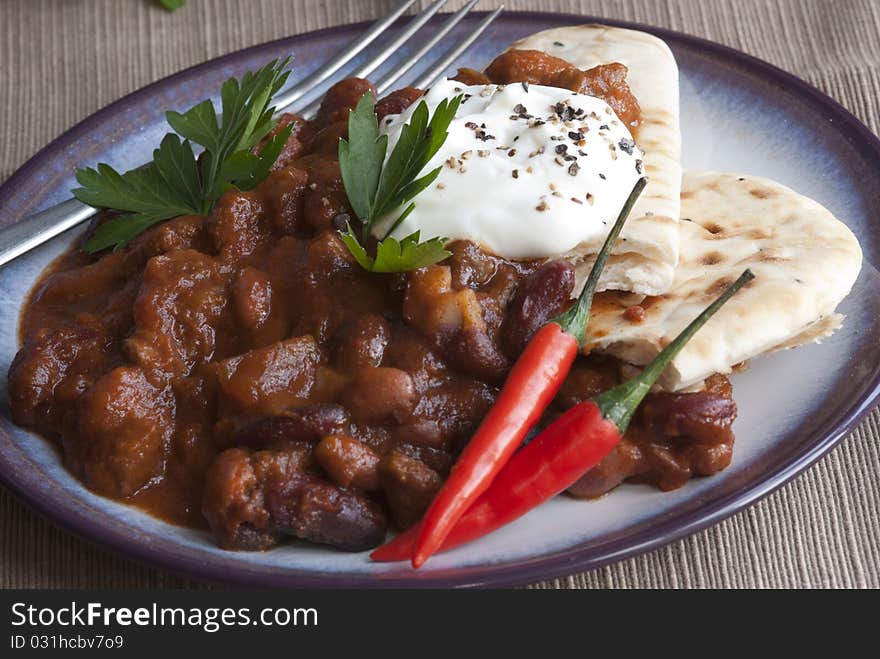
(805,262)
(646,257)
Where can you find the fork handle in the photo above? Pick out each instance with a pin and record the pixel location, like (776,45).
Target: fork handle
(34,230)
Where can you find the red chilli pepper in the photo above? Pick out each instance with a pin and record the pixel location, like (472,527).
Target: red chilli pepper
(562,453)
(530,386)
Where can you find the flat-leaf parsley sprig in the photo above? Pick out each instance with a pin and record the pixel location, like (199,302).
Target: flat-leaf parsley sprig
(175,182)
(172,5)
(376,187)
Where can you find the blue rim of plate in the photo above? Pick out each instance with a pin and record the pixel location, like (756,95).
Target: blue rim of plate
(191,563)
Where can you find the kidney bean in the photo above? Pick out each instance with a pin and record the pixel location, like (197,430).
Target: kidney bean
(409,485)
(306,424)
(540,297)
(397,101)
(474,352)
(363,342)
(340,99)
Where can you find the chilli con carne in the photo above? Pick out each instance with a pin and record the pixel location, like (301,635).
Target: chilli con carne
(240,372)
(553,461)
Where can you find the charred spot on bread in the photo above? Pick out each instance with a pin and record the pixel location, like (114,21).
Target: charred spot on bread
(761,193)
(718,287)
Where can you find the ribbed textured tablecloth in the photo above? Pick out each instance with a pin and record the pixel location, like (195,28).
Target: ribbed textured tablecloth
(60,60)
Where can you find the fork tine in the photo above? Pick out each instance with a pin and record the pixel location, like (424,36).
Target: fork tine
(434,74)
(450,23)
(319,76)
(383,85)
(412,27)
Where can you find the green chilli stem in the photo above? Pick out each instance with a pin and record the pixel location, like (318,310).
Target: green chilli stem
(619,404)
(574,321)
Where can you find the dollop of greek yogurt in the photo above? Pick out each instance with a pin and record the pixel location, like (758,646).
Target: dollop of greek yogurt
(527,171)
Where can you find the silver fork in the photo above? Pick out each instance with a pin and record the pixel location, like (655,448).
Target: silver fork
(41,227)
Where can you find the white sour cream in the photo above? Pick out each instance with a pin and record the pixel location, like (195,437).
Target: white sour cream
(528,171)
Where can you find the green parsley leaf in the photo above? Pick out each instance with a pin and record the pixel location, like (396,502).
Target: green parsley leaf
(176,163)
(175,182)
(362,156)
(171,5)
(408,254)
(246,169)
(246,119)
(165,188)
(376,186)
(198,124)
(394,255)
(419,142)
(357,250)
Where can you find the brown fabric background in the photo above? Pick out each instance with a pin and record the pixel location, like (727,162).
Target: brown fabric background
(60,60)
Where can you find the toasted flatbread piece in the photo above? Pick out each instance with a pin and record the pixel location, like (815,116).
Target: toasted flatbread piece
(805,262)
(645,260)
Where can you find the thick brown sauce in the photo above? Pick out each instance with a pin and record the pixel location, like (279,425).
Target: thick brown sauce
(241,367)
